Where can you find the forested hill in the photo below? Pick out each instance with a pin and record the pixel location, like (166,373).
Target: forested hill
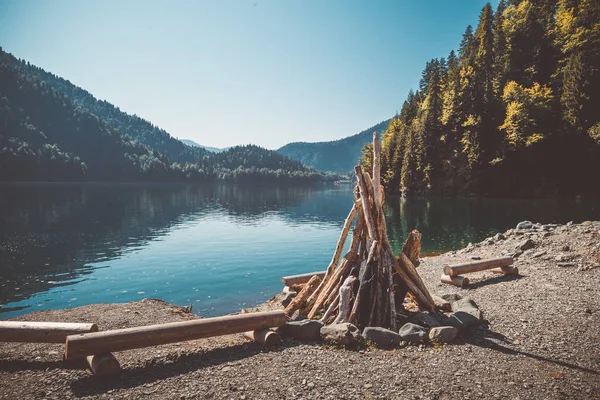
(339,155)
(52,130)
(515,111)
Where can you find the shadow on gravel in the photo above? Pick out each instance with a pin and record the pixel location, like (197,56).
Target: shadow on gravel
(34,365)
(494,280)
(159,369)
(484,339)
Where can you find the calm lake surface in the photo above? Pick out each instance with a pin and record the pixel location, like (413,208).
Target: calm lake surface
(218,247)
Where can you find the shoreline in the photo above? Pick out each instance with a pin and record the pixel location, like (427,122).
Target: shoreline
(541,331)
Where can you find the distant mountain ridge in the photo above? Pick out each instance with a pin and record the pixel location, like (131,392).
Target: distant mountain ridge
(338,155)
(207,148)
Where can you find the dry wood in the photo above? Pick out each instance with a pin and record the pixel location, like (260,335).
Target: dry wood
(340,244)
(332,284)
(377,170)
(440,303)
(104,365)
(364,194)
(509,270)
(346,294)
(412,247)
(264,336)
(299,301)
(416,279)
(41,332)
(81,345)
(461,281)
(300,279)
(331,309)
(457,269)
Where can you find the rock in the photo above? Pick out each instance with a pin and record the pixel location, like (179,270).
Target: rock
(451,297)
(296,316)
(565,264)
(563,257)
(287,299)
(413,333)
(586,223)
(546,234)
(466,314)
(525,225)
(382,337)
(539,254)
(596,223)
(308,330)
(425,319)
(441,303)
(526,245)
(443,334)
(566,248)
(475,258)
(344,334)
(570,223)
(499,237)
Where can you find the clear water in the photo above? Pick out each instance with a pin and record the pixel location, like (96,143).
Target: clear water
(218,247)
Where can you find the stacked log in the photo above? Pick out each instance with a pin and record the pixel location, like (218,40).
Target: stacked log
(366,286)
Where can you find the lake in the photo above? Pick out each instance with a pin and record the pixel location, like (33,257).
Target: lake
(218,247)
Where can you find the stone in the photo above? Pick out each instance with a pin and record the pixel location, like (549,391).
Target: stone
(466,314)
(563,257)
(344,334)
(382,337)
(539,254)
(475,258)
(443,334)
(499,236)
(287,299)
(413,333)
(565,264)
(441,303)
(596,224)
(425,319)
(525,225)
(586,223)
(526,245)
(306,330)
(451,297)
(566,248)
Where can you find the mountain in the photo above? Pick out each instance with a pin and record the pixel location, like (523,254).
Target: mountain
(52,130)
(211,149)
(513,113)
(338,155)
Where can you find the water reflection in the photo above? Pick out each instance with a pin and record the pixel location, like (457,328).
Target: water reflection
(222,246)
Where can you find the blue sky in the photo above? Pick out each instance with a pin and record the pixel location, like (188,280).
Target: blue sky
(234,72)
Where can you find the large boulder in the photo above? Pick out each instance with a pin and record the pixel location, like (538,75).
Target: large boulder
(425,320)
(344,334)
(525,245)
(443,334)
(413,333)
(382,337)
(466,314)
(305,330)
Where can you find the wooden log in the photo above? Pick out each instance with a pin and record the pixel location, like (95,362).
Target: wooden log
(410,269)
(301,278)
(412,247)
(377,171)
(461,281)
(81,345)
(342,240)
(332,308)
(104,365)
(264,336)
(301,298)
(412,287)
(346,294)
(465,268)
(331,284)
(364,195)
(41,332)
(442,304)
(508,270)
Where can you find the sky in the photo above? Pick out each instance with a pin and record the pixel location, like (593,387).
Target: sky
(228,72)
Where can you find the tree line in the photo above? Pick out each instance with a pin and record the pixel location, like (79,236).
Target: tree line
(52,130)
(513,112)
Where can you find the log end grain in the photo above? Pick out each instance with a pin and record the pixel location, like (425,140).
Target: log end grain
(104,365)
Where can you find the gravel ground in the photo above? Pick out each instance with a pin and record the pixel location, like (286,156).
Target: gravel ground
(541,341)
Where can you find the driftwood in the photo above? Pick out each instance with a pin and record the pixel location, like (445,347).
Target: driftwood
(264,336)
(303,296)
(41,332)
(300,279)
(461,281)
(509,270)
(367,286)
(104,365)
(465,268)
(82,345)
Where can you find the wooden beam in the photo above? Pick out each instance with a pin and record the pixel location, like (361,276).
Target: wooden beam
(301,278)
(79,346)
(510,270)
(461,281)
(458,269)
(104,365)
(41,332)
(264,336)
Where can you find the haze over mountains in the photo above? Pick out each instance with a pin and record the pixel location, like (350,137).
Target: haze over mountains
(211,149)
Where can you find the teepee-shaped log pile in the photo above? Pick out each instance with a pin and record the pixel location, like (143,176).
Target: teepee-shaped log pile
(367,285)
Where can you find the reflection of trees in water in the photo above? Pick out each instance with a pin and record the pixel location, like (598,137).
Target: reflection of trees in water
(48,233)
